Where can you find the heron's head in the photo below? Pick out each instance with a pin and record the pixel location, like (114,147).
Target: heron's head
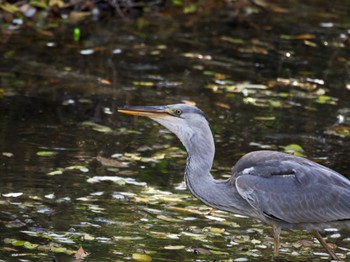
(187,122)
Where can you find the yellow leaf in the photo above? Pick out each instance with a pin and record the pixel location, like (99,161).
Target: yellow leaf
(58,3)
(217,230)
(9,8)
(141,257)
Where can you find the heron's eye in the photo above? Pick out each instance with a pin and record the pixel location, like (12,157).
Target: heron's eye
(177,112)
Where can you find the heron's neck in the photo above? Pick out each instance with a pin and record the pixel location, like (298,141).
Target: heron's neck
(219,194)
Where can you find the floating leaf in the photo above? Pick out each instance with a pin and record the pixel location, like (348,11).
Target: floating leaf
(55,172)
(309,43)
(83,169)
(97,127)
(255,241)
(58,249)
(142,83)
(215,218)
(168,219)
(18,243)
(76,34)
(174,247)
(294,149)
(87,236)
(190,8)
(10,8)
(250,86)
(141,257)
(265,118)
(326,100)
(80,254)
(29,245)
(241,259)
(58,3)
(217,230)
(46,153)
(115,179)
(165,235)
(77,16)
(218,252)
(233,40)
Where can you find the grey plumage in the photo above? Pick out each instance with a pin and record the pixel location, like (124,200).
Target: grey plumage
(279,189)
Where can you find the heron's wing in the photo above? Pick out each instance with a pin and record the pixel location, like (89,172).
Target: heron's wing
(292,189)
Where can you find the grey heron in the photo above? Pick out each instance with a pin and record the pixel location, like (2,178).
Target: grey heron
(280,189)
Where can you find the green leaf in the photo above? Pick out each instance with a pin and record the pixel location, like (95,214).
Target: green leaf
(56,172)
(142,83)
(97,127)
(141,257)
(76,34)
(30,245)
(46,153)
(18,243)
(177,2)
(326,100)
(294,149)
(191,8)
(39,3)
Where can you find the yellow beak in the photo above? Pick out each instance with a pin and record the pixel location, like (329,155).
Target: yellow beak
(148,111)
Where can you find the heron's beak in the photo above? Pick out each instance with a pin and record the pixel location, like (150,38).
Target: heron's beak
(148,111)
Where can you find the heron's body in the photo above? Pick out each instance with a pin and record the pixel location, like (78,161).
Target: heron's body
(279,189)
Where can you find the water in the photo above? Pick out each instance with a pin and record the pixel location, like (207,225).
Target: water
(268,82)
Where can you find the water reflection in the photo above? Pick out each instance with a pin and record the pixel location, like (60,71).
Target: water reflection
(266,86)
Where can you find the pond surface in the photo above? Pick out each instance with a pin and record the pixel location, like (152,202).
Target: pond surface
(74,173)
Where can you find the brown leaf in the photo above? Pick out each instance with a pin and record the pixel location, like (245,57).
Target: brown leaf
(189,102)
(80,254)
(110,162)
(8,249)
(332,246)
(105,81)
(305,243)
(304,37)
(211,211)
(76,16)
(223,105)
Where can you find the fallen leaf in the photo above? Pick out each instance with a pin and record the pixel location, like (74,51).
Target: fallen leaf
(223,105)
(189,102)
(304,37)
(80,254)
(10,8)
(141,257)
(46,153)
(174,247)
(305,243)
(110,162)
(105,82)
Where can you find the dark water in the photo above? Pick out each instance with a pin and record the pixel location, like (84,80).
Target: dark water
(267,81)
